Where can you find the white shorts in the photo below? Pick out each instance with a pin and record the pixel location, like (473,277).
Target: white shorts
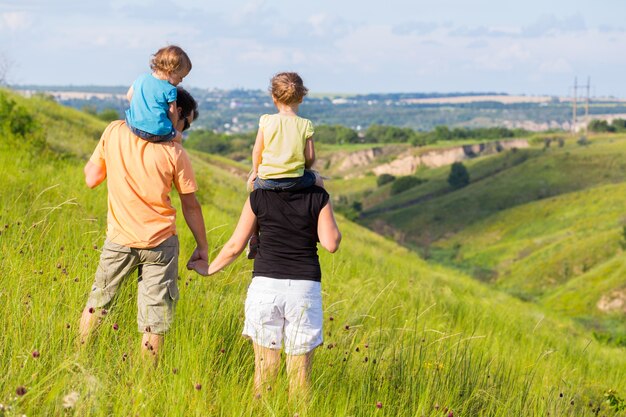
(284,310)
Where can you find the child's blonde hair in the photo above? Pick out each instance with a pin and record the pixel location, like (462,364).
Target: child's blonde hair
(170,60)
(288,88)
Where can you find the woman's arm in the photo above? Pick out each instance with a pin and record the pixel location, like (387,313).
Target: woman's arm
(309,153)
(327,229)
(235,245)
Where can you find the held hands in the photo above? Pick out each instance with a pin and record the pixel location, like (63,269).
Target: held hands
(199,262)
(200,266)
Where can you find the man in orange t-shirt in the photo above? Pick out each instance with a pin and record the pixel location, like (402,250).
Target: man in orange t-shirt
(141,223)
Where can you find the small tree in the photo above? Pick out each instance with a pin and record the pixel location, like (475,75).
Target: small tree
(384,179)
(5,67)
(404,183)
(108,115)
(459,176)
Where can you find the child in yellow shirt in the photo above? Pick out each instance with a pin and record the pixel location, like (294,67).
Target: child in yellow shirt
(283,151)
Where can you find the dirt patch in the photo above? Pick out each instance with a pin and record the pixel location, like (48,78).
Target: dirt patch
(613,302)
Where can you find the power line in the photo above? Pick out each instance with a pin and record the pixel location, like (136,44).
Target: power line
(576,87)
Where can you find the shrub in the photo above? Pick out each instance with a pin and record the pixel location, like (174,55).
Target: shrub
(459,176)
(402,184)
(384,179)
(108,115)
(18,126)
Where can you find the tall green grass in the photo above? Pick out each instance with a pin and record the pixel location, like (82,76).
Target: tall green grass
(419,339)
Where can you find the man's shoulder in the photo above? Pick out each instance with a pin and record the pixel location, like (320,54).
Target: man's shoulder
(115,127)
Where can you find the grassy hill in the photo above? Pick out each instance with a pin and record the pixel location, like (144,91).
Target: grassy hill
(420,339)
(529,222)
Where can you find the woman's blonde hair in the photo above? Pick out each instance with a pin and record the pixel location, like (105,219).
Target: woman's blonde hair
(171,59)
(288,88)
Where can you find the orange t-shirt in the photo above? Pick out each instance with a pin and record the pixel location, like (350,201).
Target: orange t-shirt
(140,175)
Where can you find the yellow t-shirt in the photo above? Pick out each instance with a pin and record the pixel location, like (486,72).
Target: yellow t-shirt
(284,138)
(140,175)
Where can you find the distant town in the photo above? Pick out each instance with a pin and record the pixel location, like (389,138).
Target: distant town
(238,110)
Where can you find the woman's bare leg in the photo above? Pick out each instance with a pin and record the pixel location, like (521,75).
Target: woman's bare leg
(299,372)
(266,365)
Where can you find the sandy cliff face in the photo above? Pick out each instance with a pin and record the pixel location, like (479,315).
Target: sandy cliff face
(359,158)
(407,164)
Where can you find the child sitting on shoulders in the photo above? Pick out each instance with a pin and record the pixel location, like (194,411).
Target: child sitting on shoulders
(153,112)
(283,151)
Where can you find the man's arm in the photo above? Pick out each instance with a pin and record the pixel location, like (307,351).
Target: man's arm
(192,211)
(94,174)
(235,245)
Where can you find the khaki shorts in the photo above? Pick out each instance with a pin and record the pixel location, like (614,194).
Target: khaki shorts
(157,291)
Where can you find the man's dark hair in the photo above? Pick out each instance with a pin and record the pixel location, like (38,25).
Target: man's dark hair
(187,103)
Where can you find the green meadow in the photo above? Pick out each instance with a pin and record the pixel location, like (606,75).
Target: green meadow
(403,336)
(545,224)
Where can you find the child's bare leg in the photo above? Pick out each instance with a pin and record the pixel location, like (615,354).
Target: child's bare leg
(253,244)
(299,372)
(266,365)
(319,181)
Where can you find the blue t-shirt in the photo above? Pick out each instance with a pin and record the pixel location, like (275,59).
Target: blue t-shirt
(149,105)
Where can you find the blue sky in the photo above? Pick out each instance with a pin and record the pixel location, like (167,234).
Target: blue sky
(343,46)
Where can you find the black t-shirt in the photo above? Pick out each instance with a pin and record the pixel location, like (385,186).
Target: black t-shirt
(288,233)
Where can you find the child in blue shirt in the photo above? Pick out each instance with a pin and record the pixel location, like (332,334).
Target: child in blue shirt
(153,114)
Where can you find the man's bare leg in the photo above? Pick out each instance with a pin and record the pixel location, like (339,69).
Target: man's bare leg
(150,345)
(299,373)
(266,365)
(88,321)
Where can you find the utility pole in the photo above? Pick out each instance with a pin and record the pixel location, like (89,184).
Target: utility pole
(587,107)
(574,106)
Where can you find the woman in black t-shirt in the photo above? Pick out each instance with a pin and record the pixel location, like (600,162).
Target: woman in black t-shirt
(283,305)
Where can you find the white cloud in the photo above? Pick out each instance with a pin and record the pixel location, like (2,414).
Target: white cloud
(503,58)
(14,21)
(557,66)
(550,25)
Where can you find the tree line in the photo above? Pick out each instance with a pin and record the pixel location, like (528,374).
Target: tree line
(603,126)
(227,144)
